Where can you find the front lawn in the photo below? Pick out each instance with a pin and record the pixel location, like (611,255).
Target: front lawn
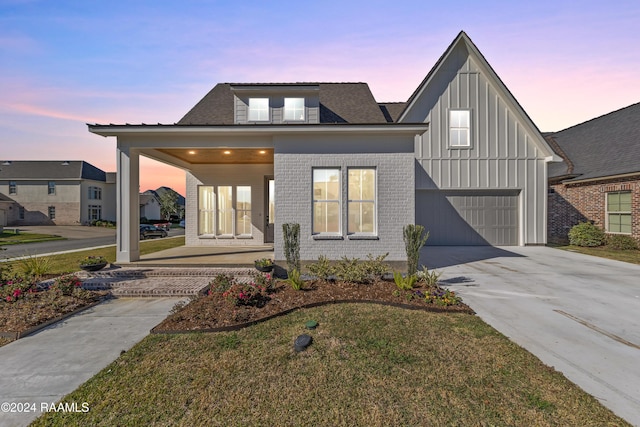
(9,238)
(367,365)
(632,256)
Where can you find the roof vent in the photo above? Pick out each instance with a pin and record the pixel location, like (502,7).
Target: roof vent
(6,163)
(65,163)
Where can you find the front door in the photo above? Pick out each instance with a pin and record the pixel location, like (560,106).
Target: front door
(270,209)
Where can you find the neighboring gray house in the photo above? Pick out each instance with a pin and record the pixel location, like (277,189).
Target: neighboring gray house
(460,157)
(149,206)
(48,192)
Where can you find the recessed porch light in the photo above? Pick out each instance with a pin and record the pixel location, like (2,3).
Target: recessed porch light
(226,152)
(192,152)
(262,152)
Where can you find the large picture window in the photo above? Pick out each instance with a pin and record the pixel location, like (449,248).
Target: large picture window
(294,109)
(362,201)
(258,109)
(619,212)
(459,128)
(206,210)
(326,201)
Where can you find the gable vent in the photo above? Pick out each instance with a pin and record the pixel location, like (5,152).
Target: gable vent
(65,163)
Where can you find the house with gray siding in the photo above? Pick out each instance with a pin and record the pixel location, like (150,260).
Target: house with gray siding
(460,157)
(55,192)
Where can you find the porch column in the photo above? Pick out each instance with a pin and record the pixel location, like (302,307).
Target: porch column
(128,205)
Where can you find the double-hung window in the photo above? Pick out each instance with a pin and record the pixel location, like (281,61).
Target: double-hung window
(243,210)
(52,212)
(51,187)
(294,109)
(459,128)
(95,212)
(326,201)
(361,203)
(95,193)
(13,187)
(206,210)
(619,212)
(258,109)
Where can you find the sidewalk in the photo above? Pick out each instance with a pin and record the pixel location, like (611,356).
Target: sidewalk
(50,364)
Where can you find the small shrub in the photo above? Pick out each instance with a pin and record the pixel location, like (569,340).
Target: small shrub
(295,280)
(352,270)
(404,283)
(93,260)
(245,294)
(322,269)
(35,266)
(375,266)
(429,278)
(264,279)
(263,262)
(67,284)
(621,242)
(586,234)
(291,234)
(221,283)
(414,238)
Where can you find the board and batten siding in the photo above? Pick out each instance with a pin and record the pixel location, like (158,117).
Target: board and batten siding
(503,154)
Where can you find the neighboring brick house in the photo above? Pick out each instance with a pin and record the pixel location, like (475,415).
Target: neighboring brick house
(599,180)
(460,157)
(52,192)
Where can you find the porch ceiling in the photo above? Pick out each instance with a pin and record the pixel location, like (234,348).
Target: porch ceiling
(221,155)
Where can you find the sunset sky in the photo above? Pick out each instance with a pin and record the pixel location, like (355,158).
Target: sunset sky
(67,63)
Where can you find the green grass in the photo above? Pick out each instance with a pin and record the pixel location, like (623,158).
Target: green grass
(632,256)
(7,238)
(69,263)
(368,365)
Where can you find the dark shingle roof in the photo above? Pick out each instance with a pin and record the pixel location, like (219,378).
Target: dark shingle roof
(49,170)
(392,110)
(605,146)
(339,103)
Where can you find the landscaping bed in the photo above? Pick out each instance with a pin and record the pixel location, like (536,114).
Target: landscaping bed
(216,311)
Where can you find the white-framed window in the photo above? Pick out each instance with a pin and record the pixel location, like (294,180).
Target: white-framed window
(13,187)
(95,212)
(243,210)
(459,128)
(206,210)
(95,193)
(225,211)
(361,201)
(258,109)
(619,212)
(51,187)
(294,109)
(52,212)
(326,201)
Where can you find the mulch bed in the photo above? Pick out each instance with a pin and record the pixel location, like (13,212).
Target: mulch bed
(211,313)
(27,315)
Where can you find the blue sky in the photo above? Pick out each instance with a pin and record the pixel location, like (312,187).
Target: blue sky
(67,63)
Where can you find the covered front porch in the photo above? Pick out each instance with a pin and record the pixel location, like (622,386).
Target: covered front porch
(205,256)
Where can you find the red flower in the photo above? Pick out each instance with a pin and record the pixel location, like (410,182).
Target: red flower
(17,293)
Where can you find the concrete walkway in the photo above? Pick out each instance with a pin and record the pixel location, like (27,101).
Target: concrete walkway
(576,313)
(50,364)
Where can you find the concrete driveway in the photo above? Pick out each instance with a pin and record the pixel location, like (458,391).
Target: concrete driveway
(577,313)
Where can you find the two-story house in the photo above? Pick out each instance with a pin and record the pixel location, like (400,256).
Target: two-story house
(460,157)
(49,192)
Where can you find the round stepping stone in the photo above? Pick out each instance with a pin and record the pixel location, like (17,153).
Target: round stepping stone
(302,342)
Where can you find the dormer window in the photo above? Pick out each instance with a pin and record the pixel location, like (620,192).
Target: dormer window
(258,109)
(294,109)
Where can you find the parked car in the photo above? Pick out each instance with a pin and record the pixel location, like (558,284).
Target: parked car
(182,223)
(147,230)
(163,225)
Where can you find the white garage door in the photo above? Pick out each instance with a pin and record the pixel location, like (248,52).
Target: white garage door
(464,218)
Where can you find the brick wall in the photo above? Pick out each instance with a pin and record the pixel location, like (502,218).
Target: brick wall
(395,203)
(572,203)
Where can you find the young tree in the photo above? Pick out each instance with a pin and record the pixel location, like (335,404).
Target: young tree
(168,204)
